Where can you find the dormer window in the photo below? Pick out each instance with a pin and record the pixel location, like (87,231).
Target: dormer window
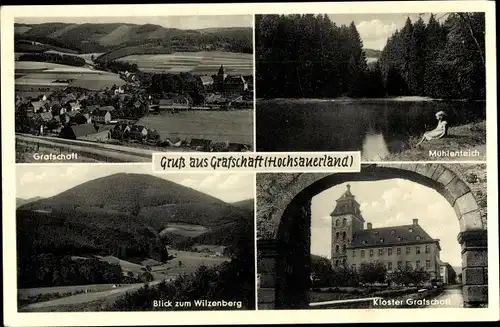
(381,240)
(393,231)
(375,233)
(364,242)
(410,230)
(399,238)
(418,237)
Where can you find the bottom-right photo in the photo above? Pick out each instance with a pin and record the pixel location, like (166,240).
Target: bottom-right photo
(389,236)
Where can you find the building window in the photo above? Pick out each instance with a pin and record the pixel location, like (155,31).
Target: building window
(362,253)
(344,248)
(336,263)
(399,238)
(417,250)
(380,252)
(381,240)
(408,250)
(371,252)
(417,264)
(337,223)
(344,222)
(410,230)
(337,235)
(393,231)
(427,249)
(398,251)
(343,262)
(418,238)
(400,264)
(408,264)
(354,253)
(344,235)
(336,249)
(389,251)
(427,264)
(389,266)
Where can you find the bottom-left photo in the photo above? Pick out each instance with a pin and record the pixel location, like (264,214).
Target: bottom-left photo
(120,238)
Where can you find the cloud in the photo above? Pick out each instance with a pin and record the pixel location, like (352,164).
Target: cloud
(375,33)
(232,181)
(32,178)
(375,29)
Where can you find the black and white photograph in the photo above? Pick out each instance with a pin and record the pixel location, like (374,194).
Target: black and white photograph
(403,236)
(118,238)
(116,89)
(397,87)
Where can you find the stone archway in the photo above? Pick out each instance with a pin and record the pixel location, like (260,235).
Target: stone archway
(284,220)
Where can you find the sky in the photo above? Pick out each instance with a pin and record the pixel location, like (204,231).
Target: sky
(375,29)
(392,202)
(180,22)
(50,180)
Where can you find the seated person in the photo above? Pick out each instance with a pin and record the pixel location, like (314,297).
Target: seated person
(439,132)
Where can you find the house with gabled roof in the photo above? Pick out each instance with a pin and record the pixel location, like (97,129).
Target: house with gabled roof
(45,116)
(70,97)
(102,116)
(38,105)
(75,132)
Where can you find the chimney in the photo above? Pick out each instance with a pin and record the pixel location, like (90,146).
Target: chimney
(368,225)
(415,222)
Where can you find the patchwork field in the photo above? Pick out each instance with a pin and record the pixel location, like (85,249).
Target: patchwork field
(206,62)
(218,126)
(37,73)
(187,262)
(187,230)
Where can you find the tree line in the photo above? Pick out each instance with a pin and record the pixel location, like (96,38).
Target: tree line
(439,60)
(54,58)
(47,269)
(325,275)
(309,56)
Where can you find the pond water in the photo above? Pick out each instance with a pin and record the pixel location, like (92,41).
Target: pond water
(377,128)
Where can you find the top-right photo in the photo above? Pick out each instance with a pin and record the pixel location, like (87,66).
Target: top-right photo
(397,87)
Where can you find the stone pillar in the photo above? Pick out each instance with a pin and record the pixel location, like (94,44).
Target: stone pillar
(293,264)
(474,267)
(266,270)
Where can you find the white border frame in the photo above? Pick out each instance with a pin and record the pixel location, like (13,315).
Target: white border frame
(13,318)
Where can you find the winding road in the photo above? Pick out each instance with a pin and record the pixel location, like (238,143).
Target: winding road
(108,295)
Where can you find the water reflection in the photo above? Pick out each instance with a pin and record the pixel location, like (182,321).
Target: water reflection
(374,147)
(375,127)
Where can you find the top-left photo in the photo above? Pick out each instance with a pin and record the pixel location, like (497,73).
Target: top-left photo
(117,89)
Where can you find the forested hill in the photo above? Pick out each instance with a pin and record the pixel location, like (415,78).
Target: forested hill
(98,38)
(309,56)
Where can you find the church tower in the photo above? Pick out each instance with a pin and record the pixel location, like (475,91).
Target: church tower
(221,77)
(346,220)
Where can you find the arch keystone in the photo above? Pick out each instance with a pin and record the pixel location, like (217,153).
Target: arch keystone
(426,170)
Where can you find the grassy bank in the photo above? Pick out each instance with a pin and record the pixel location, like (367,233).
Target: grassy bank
(469,137)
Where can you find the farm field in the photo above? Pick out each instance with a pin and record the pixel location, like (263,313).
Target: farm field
(218,126)
(24,293)
(189,262)
(37,73)
(206,62)
(187,230)
(36,65)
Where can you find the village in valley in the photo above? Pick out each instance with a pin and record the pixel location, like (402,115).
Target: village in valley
(195,100)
